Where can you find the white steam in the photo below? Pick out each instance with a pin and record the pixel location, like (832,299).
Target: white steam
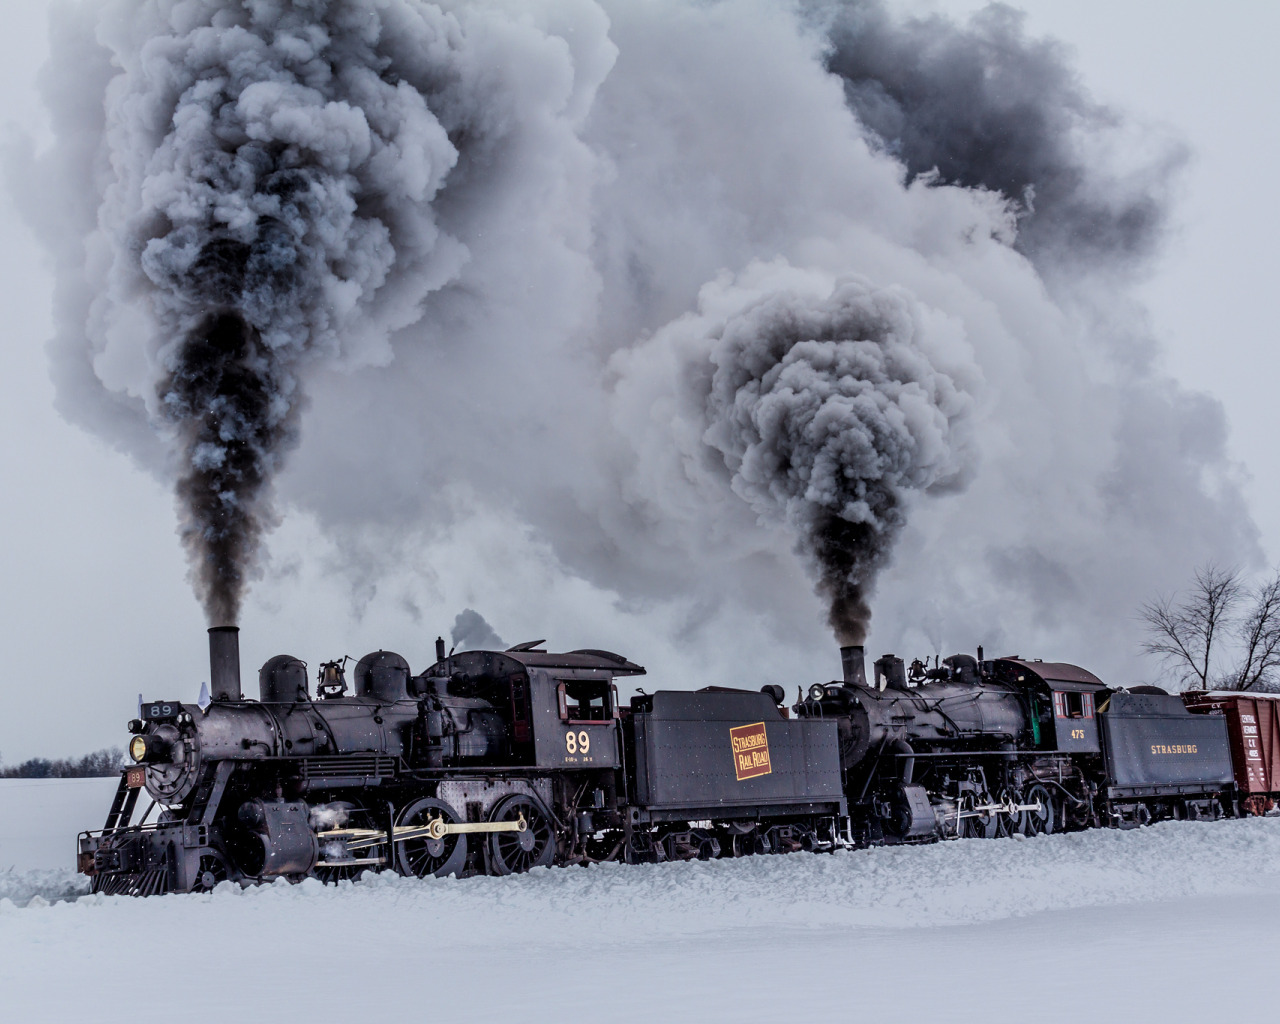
(826,412)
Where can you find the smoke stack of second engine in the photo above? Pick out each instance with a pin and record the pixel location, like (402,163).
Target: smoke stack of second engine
(854,662)
(224,663)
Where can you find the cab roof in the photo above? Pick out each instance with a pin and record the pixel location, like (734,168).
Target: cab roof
(1054,672)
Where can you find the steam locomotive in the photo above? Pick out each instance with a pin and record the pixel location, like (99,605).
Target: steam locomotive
(489,761)
(983,748)
(498,762)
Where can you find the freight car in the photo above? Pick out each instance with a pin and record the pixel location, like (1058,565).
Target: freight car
(1252,721)
(491,762)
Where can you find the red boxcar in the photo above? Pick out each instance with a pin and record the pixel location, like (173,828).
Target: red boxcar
(1253,724)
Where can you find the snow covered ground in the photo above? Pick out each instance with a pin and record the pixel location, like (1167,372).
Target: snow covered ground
(1179,922)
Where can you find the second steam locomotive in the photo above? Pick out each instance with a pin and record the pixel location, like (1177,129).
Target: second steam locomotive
(497,762)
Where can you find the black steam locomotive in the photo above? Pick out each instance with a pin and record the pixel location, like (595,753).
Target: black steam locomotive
(987,748)
(497,762)
(489,761)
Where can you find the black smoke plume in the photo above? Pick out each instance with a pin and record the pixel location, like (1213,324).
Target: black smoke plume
(471,631)
(833,414)
(527,224)
(220,400)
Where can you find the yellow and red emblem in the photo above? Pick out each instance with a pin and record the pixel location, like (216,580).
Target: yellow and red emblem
(750,751)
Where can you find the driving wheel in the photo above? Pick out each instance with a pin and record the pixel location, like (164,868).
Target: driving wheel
(426,855)
(1040,821)
(533,846)
(978,824)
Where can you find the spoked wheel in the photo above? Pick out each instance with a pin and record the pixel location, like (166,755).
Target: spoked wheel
(1014,824)
(213,869)
(532,847)
(337,860)
(1040,821)
(981,824)
(429,855)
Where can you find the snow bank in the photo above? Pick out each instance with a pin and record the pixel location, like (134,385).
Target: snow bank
(1042,929)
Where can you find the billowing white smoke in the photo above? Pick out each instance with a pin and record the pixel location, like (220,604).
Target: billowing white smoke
(577,337)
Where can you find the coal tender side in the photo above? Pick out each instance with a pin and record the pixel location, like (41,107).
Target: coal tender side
(727,771)
(1160,760)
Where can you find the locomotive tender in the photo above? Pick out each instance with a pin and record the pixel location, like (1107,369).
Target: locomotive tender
(497,762)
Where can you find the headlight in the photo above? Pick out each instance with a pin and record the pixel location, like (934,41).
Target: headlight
(138,748)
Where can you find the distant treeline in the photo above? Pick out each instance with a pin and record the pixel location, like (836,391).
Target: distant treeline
(100,762)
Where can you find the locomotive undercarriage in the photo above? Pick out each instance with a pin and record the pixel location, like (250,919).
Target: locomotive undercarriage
(253,825)
(1135,813)
(949,794)
(707,840)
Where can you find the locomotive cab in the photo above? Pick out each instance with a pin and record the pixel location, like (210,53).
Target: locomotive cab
(555,710)
(1061,702)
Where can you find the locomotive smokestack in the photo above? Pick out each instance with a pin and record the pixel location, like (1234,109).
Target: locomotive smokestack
(224,663)
(854,661)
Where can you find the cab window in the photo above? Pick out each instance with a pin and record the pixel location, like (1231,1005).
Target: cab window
(586,700)
(1072,705)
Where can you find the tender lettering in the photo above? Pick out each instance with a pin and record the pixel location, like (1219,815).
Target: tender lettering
(1174,748)
(744,743)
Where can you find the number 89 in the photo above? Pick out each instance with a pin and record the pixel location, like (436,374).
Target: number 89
(577,742)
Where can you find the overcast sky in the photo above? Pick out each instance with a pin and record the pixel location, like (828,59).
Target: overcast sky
(95,606)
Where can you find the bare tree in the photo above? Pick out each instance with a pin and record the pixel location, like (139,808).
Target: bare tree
(1218,611)
(1259,633)
(1183,633)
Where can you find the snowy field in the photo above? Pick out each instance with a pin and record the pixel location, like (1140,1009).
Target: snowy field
(1179,922)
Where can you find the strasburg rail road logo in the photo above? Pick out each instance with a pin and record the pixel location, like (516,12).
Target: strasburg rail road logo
(750,751)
